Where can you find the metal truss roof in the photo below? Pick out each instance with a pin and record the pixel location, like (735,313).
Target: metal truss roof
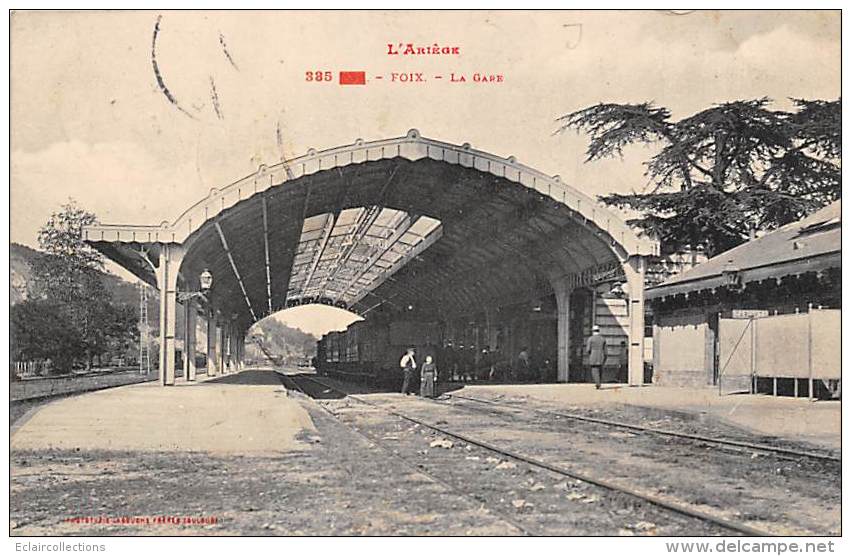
(398,221)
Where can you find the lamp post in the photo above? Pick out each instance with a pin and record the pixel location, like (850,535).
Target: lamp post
(206,281)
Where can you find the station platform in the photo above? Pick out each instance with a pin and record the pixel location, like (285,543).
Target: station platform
(795,419)
(245,413)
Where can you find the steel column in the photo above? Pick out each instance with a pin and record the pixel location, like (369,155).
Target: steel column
(229,347)
(227,338)
(212,363)
(634,269)
(218,348)
(189,341)
(170,259)
(240,350)
(562,292)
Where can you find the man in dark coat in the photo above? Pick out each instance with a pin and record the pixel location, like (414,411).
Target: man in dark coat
(428,378)
(595,349)
(623,363)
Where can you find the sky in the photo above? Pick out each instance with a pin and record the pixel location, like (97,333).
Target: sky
(90,121)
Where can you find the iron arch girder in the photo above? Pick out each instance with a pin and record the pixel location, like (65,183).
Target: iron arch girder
(414,148)
(472,168)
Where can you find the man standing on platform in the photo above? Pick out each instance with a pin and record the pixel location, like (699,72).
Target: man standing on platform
(428,378)
(623,363)
(408,365)
(595,349)
(523,365)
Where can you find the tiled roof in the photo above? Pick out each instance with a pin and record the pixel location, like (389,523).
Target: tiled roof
(793,247)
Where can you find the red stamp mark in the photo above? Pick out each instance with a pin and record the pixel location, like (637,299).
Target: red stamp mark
(352,78)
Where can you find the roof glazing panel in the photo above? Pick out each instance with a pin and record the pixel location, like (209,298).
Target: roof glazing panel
(344,256)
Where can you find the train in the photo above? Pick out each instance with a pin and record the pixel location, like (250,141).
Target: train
(370,351)
(464,349)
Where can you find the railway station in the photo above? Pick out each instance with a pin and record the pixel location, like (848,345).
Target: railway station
(494,270)
(503,276)
(466,255)
(472,273)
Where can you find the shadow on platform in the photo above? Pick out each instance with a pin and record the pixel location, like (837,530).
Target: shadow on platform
(249,378)
(316,390)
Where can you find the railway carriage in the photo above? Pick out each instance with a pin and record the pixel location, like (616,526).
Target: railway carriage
(370,351)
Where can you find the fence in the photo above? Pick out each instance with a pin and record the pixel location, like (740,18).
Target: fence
(31,368)
(51,386)
(800,346)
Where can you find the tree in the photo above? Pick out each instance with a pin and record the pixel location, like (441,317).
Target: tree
(69,269)
(68,277)
(41,330)
(725,172)
(104,326)
(122,328)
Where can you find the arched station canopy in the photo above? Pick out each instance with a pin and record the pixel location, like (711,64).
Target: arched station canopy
(403,221)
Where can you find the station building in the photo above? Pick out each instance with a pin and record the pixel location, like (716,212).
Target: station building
(762,317)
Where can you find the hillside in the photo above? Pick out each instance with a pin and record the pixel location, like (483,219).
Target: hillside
(282,339)
(123,292)
(20,274)
(21,258)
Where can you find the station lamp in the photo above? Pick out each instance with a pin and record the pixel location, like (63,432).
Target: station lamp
(619,290)
(206,279)
(732,276)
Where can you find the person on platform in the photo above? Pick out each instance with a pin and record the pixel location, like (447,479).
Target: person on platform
(523,364)
(623,363)
(595,349)
(486,364)
(450,361)
(469,363)
(409,366)
(428,378)
(546,370)
(460,361)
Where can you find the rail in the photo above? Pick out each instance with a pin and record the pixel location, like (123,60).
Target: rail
(412,467)
(535,462)
(663,432)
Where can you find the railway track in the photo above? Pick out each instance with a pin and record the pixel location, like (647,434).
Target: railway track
(296,383)
(700,439)
(726,525)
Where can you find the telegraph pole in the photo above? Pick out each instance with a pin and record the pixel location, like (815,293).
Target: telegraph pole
(144,331)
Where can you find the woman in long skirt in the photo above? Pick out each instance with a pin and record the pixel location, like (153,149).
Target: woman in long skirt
(428,378)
